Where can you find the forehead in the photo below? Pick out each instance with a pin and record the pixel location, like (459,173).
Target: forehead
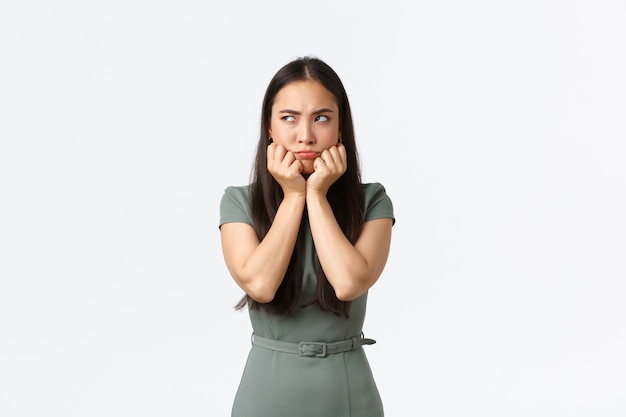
(304,93)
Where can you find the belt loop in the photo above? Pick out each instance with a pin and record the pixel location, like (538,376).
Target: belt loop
(355,338)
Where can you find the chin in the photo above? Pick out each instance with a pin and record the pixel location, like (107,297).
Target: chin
(307,168)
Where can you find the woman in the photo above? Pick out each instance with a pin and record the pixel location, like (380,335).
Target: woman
(305,241)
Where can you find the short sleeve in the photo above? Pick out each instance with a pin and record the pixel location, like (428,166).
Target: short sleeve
(378,205)
(234,206)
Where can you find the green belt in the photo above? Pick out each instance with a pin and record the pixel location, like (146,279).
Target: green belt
(314,349)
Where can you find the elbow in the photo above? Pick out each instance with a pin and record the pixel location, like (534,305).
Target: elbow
(262,298)
(353,288)
(256,287)
(346,297)
(347,293)
(261,293)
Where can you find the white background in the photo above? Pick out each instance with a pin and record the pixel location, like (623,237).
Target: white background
(497,127)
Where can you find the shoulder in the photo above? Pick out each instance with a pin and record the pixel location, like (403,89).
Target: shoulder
(373,188)
(377,202)
(237,191)
(235,205)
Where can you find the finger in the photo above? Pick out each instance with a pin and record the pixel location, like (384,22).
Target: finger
(334,154)
(280,152)
(297,165)
(331,158)
(288,158)
(318,163)
(271,153)
(343,156)
(337,157)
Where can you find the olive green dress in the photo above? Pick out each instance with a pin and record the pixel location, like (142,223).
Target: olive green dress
(278,384)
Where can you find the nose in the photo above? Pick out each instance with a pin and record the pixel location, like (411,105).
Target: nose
(306,135)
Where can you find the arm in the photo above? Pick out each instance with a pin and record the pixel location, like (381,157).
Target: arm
(259,267)
(350,269)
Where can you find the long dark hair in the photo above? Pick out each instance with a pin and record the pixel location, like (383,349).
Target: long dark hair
(345,196)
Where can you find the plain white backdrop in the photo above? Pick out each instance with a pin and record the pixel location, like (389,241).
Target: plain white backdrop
(497,127)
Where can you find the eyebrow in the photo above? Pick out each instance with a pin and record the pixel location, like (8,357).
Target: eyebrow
(318,111)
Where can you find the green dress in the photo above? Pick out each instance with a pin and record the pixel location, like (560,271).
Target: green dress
(278,384)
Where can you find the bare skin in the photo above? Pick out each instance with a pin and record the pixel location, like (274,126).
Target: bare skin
(305,158)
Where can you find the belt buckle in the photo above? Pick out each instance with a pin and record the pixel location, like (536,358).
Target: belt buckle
(318,353)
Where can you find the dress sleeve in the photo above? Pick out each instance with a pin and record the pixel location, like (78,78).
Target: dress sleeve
(378,205)
(234,206)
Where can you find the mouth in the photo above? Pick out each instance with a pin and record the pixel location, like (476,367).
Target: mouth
(306,155)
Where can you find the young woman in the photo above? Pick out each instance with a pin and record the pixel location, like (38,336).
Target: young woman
(305,241)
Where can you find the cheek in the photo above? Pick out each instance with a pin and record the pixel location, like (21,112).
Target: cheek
(330,138)
(331,132)
(280,134)
(280,139)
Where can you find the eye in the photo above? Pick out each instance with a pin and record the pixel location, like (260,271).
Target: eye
(288,118)
(321,118)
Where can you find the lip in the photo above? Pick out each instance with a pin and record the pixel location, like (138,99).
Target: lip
(307,155)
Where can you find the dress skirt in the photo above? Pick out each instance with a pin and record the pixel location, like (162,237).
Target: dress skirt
(277,384)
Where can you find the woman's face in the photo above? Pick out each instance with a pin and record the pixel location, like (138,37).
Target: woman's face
(305,120)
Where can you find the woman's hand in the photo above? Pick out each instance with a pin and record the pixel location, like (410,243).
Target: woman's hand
(285,169)
(329,166)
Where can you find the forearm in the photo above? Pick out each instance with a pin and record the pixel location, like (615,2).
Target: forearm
(346,269)
(263,271)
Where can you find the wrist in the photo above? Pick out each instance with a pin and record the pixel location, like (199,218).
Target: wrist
(315,195)
(294,196)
